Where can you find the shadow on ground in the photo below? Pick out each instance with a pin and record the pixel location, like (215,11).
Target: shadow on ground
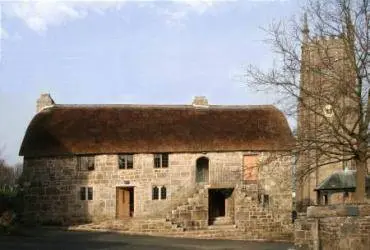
(42,239)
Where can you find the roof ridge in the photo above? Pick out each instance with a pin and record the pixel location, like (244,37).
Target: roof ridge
(249,106)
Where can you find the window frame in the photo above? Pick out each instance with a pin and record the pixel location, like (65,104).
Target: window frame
(159,193)
(163,194)
(163,160)
(264,200)
(86,193)
(126,157)
(155,193)
(85,163)
(90,193)
(82,193)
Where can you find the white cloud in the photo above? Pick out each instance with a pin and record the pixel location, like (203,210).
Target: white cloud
(40,15)
(177,13)
(43,14)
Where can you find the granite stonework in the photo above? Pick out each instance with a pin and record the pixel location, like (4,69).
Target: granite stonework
(334,227)
(259,210)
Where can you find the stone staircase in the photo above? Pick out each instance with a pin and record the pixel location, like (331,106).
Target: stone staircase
(131,225)
(162,227)
(189,219)
(193,212)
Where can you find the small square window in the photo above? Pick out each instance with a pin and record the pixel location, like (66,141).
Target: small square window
(264,200)
(86,163)
(86,193)
(126,161)
(161,160)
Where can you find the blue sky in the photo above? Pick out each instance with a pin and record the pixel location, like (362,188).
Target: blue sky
(151,52)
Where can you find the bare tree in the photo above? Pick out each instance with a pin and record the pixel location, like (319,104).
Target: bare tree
(322,75)
(9,175)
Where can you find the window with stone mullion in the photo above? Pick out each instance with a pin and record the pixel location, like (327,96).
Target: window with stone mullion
(86,193)
(85,163)
(161,160)
(126,161)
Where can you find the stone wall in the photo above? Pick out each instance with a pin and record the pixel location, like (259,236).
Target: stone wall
(334,227)
(303,228)
(269,219)
(53,194)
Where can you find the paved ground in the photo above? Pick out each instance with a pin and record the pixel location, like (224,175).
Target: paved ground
(66,240)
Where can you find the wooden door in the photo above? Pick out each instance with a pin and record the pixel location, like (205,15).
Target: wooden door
(123,203)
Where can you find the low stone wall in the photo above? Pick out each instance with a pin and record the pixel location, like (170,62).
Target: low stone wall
(303,228)
(334,227)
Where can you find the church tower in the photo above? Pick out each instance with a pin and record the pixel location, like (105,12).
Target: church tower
(326,103)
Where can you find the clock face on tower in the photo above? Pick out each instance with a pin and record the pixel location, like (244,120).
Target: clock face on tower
(328,110)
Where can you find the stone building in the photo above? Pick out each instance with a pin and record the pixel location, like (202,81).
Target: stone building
(193,165)
(327,109)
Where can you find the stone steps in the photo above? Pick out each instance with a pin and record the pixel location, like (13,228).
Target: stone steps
(162,227)
(212,232)
(221,227)
(222,220)
(132,225)
(185,214)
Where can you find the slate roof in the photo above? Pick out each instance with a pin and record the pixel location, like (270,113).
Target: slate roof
(103,129)
(341,180)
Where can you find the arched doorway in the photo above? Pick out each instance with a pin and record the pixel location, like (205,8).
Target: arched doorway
(202,170)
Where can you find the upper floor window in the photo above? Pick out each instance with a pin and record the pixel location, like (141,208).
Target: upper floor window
(86,163)
(126,161)
(161,160)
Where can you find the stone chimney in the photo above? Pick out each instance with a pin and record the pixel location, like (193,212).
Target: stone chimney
(200,101)
(44,101)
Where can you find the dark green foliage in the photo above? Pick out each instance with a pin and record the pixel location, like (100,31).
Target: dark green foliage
(11,205)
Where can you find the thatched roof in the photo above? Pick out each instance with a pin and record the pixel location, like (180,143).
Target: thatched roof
(103,129)
(342,180)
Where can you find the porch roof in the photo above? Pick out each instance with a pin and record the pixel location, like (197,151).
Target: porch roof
(343,180)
